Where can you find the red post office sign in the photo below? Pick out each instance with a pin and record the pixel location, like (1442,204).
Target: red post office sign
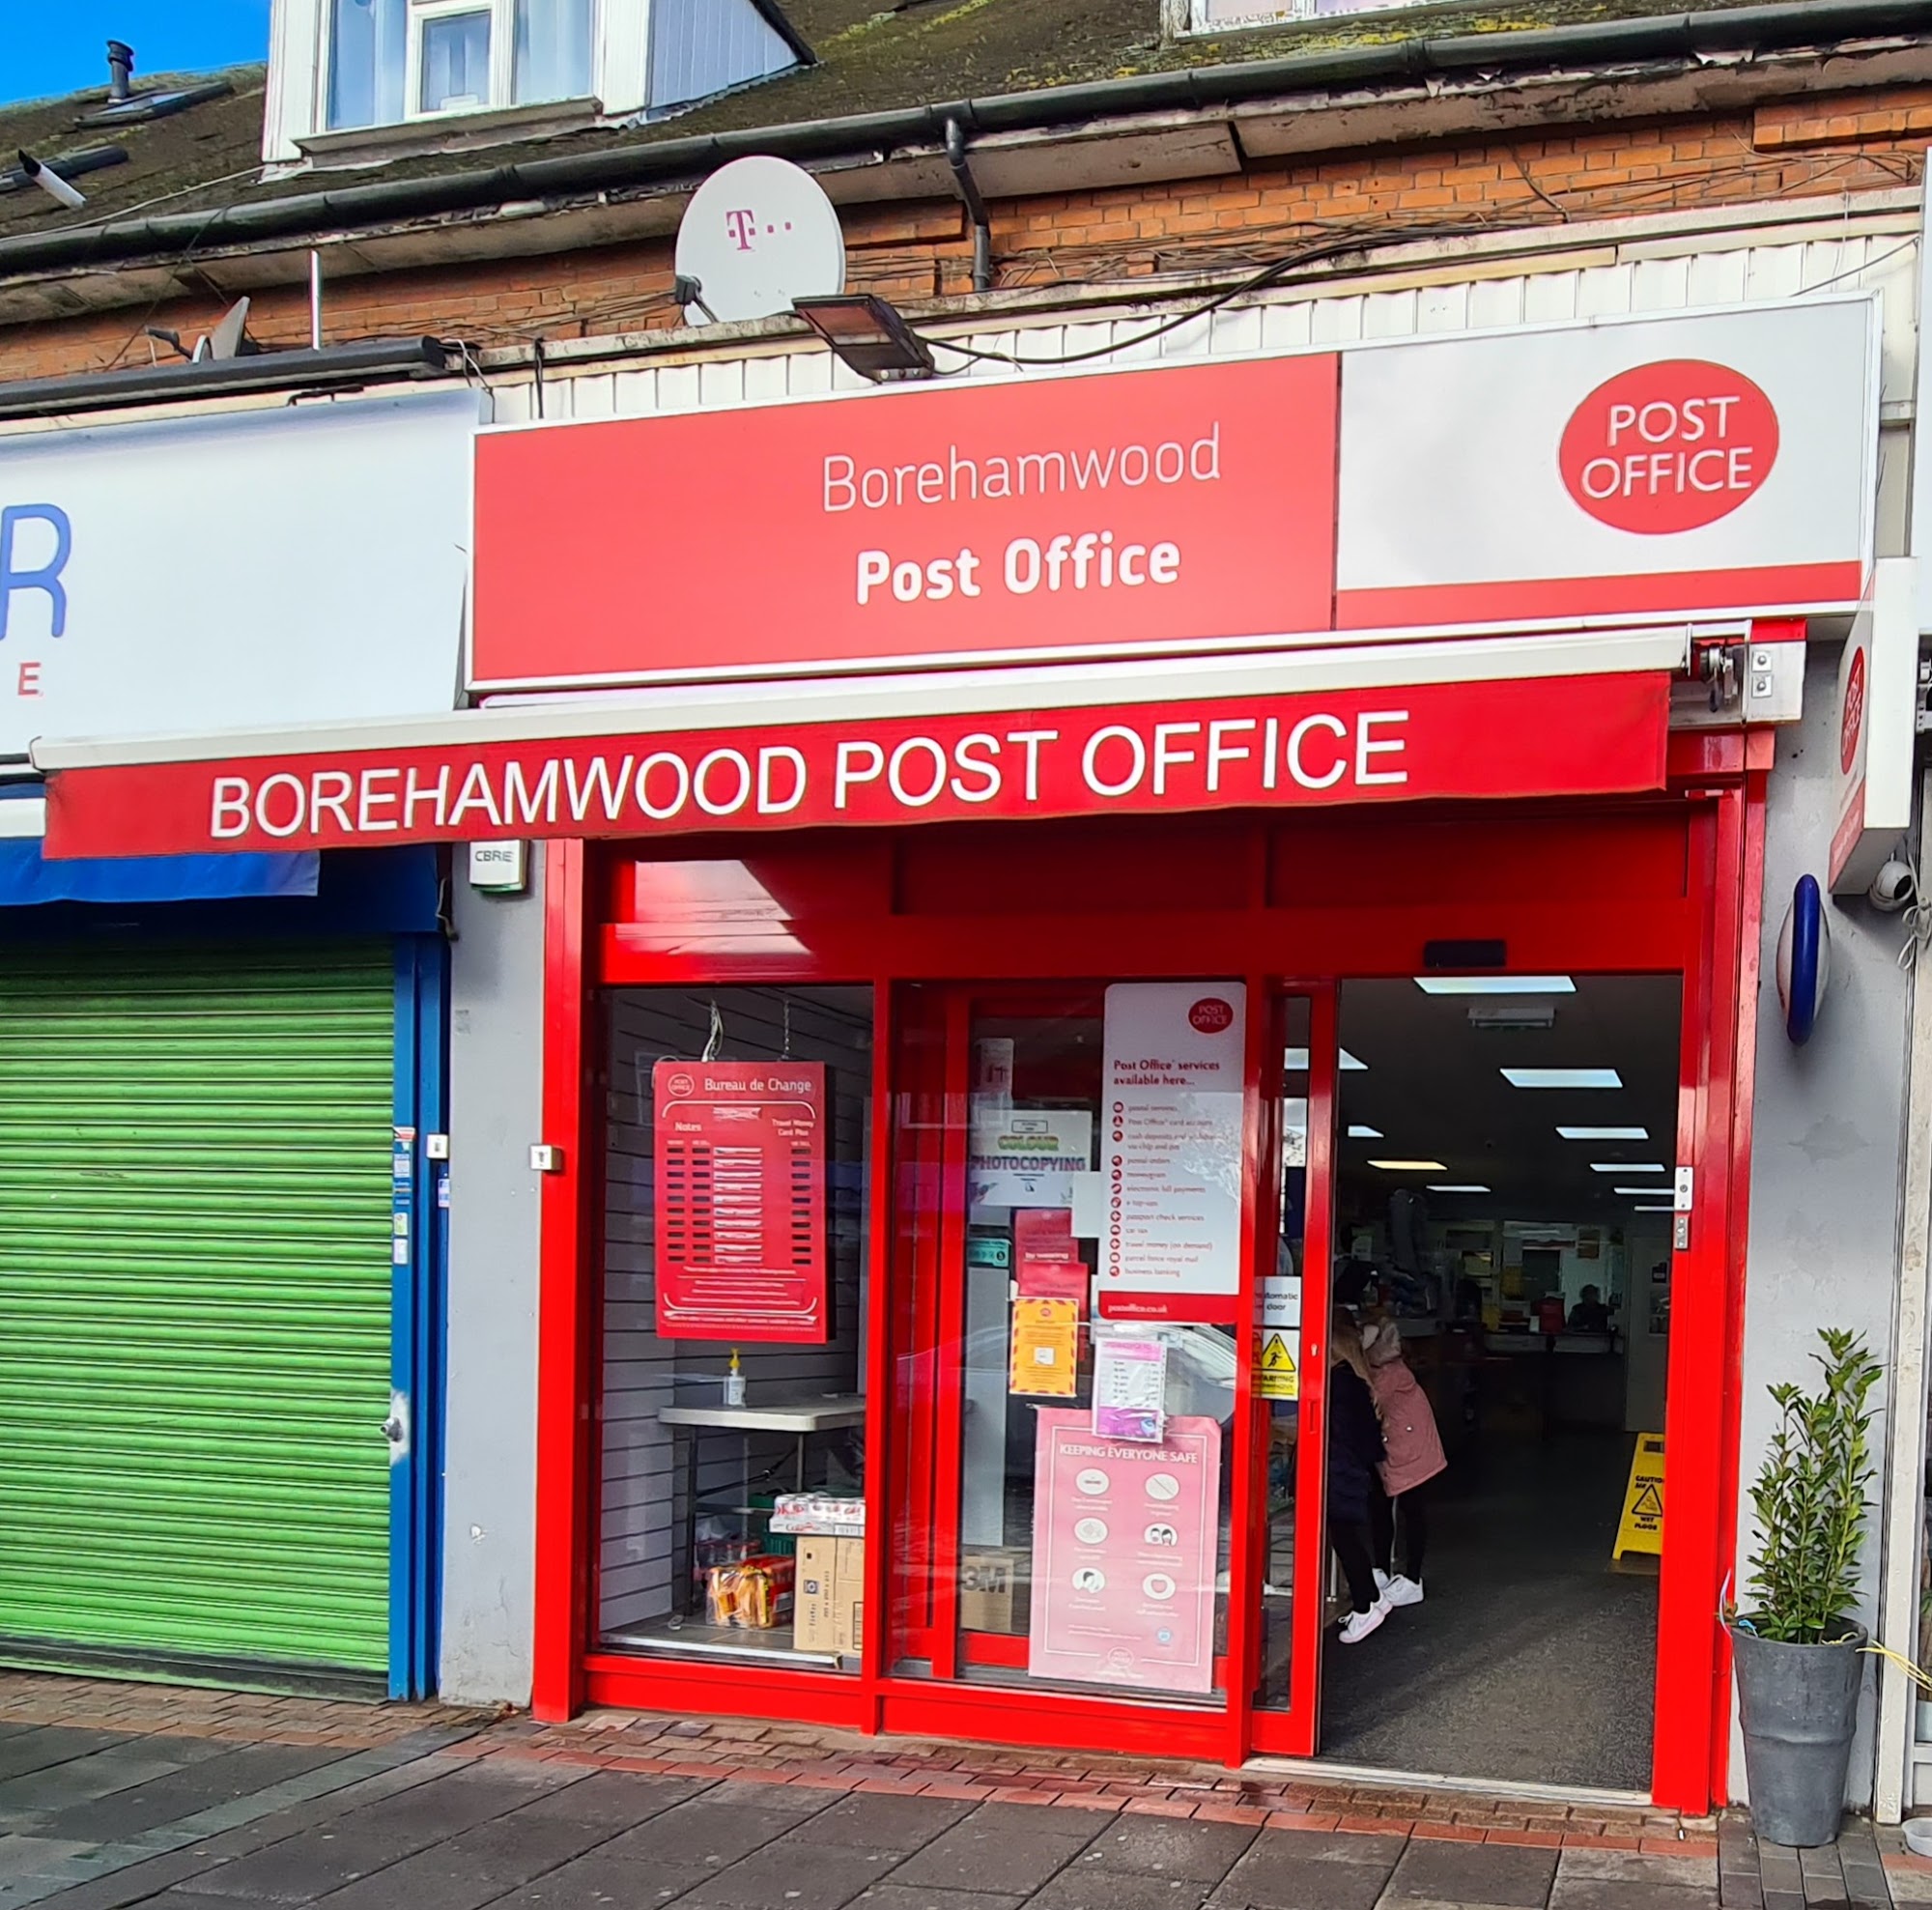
(739,1147)
(1648,466)
(969,522)
(1518,737)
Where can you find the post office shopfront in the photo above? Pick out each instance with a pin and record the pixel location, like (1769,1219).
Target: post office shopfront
(1049,886)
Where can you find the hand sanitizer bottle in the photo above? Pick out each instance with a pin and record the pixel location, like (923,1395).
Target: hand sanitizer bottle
(734,1382)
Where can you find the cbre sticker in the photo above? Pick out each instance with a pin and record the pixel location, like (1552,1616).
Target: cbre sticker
(1669,446)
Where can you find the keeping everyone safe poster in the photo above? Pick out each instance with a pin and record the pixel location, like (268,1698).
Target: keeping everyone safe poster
(1123,1555)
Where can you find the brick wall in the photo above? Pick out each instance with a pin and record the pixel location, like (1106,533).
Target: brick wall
(1823,145)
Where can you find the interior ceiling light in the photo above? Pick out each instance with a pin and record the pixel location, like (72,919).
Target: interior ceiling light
(1456,1188)
(1665,1208)
(1563,1078)
(1495,985)
(1604,1133)
(1409,1166)
(1628,1167)
(1645,1191)
(1360,1130)
(1294,1060)
(1351,1066)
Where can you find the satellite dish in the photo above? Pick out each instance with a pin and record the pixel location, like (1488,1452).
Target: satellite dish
(227,339)
(757,234)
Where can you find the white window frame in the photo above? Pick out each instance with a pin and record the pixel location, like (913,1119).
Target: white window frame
(1193,14)
(502,17)
(298,67)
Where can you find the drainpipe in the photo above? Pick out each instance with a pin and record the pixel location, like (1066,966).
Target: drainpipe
(976,207)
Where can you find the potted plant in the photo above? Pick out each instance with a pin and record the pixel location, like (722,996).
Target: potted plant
(1800,1654)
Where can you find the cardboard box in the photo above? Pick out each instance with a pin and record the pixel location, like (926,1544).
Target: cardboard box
(823,1515)
(849,1614)
(995,1588)
(830,1612)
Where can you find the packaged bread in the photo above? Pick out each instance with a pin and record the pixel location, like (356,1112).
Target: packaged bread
(756,1593)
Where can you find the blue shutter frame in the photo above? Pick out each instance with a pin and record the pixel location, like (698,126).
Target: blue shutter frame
(418,1342)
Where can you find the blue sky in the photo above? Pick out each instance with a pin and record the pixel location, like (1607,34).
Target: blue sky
(49,47)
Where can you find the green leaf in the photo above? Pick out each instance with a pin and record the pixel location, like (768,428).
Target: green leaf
(1812,1496)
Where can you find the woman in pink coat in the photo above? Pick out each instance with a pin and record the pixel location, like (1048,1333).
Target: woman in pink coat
(1414,1449)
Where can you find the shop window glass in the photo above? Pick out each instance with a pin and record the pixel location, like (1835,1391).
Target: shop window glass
(735,1205)
(367,58)
(455,62)
(1078,1436)
(552,59)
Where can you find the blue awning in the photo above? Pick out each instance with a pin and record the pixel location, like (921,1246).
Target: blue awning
(28,877)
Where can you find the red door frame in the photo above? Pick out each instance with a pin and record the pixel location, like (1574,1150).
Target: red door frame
(1709,933)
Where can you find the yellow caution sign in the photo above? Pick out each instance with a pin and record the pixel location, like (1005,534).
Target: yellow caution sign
(1275,1376)
(1641,1527)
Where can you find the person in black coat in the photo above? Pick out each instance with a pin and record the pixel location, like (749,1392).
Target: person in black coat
(1354,1451)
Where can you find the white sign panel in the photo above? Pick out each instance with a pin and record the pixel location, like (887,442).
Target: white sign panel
(1281,1303)
(1876,727)
(299,565)
(1740,446)
(1171,1150)
(1027,1157)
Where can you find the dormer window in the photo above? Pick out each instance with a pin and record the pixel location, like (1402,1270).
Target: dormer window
(393,60)
(359,78)
(1214,15)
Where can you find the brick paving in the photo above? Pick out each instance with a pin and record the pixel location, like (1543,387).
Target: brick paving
(121,1795)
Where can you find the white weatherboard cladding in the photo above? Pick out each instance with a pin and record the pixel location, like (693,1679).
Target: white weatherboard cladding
(295,565)
(702,46)
(1449,449)
(1677,279)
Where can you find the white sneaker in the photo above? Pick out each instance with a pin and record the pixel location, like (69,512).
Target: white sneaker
(1400,1590)
(1381,1580)
(1359,1624)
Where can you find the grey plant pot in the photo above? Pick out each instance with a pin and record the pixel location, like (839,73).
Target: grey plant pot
(1800,1704)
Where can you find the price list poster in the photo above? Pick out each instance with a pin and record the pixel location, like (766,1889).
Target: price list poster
(740,1158)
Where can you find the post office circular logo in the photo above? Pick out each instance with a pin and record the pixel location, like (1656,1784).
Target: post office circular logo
(1669,446)
(1210,1015)
(1853,719)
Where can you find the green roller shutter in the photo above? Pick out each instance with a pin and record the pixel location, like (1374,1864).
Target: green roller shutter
(194,1305)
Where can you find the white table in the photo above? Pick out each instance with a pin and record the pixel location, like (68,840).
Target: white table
(825,1413)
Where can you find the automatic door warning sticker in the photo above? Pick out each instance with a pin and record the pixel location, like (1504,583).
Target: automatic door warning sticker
(1641,1527)
(1275,1376)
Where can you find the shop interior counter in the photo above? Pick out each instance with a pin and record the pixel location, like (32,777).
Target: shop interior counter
(800,1418)
(803,1416)
(1535,1379)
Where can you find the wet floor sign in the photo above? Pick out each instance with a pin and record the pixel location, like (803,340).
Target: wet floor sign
(1641,1527)
(1275,1376)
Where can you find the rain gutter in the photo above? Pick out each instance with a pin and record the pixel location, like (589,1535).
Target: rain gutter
(671,162)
